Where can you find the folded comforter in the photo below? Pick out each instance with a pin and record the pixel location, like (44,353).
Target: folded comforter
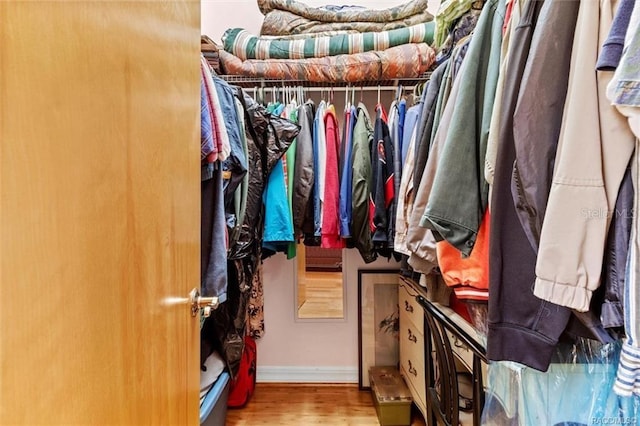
(404,61)
(246,46)
(284,17)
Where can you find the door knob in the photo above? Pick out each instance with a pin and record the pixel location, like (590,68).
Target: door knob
(197,302)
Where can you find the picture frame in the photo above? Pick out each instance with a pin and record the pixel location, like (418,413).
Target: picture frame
(378,321)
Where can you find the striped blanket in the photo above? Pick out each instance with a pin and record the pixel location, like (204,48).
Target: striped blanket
(285,17)
(404,61)
(246,46)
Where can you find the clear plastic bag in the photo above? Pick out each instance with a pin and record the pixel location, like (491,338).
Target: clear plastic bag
(576,390)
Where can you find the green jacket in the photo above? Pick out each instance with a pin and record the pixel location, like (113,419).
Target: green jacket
(361,190)
(460,193)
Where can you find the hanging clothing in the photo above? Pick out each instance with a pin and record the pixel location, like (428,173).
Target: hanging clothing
(425,124)
(616,253)
(523,328)
(331,206)
(405,196)
(396,146)
(624,93)
(322,163)
(268,137)
(410,122)
(278,226)
(235,211)
(319,167)
(395,143)
(222,148)
(346,184)
(362,139)
(213,271)
(515,9)
(593,152)
(460,194)
(255,309)
(206,126)
(462,28)
(303,175)
(448,13)
(235,164)
(420,241)
(290,173)
(628,374)
(382,186)
(611,51)
(402,114)
(469,277)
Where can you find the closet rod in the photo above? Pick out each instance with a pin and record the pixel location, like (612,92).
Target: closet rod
(349,88)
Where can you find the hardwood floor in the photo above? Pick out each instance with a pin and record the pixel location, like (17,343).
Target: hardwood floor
(309,404)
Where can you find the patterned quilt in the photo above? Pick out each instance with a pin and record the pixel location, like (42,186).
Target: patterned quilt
(285,17)
(404,61)
(246,46)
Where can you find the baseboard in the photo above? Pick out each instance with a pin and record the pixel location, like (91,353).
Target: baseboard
(297,374)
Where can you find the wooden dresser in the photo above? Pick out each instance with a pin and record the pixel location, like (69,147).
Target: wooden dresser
(416,356)
(412,345)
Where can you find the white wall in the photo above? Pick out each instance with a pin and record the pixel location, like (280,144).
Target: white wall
(309,351)
(291,350)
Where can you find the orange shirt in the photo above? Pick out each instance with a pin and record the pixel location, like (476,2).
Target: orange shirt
(469,276)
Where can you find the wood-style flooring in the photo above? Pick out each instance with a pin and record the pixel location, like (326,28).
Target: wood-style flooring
(309,404)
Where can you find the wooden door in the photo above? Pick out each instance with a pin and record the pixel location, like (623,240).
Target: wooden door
(99,212)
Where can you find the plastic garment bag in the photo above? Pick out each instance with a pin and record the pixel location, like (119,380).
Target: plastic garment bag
(576,390)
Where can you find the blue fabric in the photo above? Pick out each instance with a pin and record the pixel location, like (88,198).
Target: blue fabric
(229,112)
(410,121)
(206,128)
(236,162)
(402,113)
(611,52)
(278,225)
(345,181)
(627,89)
(278,110)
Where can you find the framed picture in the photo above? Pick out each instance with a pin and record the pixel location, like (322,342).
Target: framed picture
(378,321)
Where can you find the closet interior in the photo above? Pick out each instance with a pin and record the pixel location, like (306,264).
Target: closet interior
(487,156)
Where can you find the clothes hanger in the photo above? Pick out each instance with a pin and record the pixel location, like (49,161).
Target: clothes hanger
(346,98)
(399,92)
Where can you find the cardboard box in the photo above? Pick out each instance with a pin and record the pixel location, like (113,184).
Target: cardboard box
(391,396)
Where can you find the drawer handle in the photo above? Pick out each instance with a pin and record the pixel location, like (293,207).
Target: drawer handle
(408,307)
(459,343)
(411,369)
(412,337)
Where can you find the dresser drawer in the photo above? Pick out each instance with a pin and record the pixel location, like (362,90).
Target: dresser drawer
(410,310)
(461,351)
(419,396)
(412,358)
